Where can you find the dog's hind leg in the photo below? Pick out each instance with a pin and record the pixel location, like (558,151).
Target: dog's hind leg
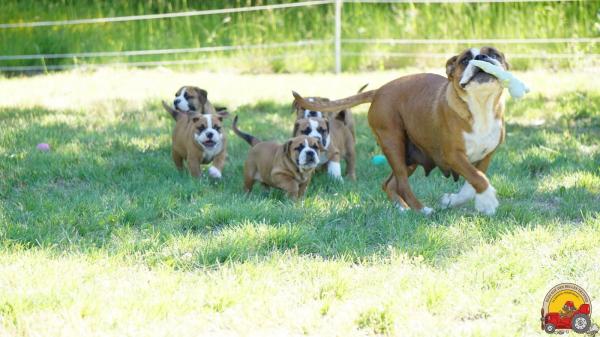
(249,173)
(392,140)
(389,187)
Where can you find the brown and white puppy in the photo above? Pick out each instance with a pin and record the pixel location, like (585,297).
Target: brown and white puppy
(454,122)
(190,100)
(344,115)
(199,139)
(289,166)
(337,142)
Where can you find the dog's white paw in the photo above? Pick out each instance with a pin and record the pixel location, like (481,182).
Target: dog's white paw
(486,202)
(400,208)
(334,169)
(446,200)
(466,193)
(426,210)
(214,172)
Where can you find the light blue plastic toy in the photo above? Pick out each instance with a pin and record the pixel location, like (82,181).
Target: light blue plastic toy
(378,160)
(516,88)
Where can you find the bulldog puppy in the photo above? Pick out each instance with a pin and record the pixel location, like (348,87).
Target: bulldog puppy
(289,166)
(344,115)
(191,100)
(337,142)
(455,123)
(199,139)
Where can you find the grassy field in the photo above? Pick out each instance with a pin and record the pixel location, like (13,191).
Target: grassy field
(362,21)
(102,237)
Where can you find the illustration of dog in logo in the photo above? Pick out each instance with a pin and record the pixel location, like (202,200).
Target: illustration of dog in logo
(567,307)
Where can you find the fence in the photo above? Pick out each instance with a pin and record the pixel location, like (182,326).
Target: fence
(337,41)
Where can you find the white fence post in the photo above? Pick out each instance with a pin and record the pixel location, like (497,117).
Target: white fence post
(338,36)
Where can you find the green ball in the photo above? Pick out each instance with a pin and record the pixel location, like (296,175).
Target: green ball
(378,160)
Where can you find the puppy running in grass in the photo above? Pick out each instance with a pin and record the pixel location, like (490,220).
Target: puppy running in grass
(289,166)
(337,141)
(199,139)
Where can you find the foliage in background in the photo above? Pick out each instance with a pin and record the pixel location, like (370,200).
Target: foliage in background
(369,21)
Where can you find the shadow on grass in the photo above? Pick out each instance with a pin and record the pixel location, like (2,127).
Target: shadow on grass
(113,187)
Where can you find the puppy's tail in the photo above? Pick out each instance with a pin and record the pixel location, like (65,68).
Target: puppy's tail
(247,137)
(337,105)
(174,113)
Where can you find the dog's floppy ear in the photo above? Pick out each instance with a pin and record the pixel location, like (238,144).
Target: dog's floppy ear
(341,116)
(286,148)
(296,126)
(222,113)
(202,96)
(450,65)
(295,106)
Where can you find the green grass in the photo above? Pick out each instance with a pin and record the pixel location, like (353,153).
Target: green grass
(366,21)
(103,237)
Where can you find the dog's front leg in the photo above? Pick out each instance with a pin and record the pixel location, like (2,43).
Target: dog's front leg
(287,184)
(334,168)
(485,194)
(467,192)
(216,169)
(194,165)
(302,187)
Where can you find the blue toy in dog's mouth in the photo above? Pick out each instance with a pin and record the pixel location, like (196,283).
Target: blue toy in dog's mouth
(516,87)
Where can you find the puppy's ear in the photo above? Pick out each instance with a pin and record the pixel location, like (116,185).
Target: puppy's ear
(296,127)
(341,116)
(202,96)
(450,65)
(222,113)
(286,148)
(295,106)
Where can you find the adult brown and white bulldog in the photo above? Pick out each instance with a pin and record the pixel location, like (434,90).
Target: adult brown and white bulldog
(199,139)
(289,166)
(455,123)
(337,142)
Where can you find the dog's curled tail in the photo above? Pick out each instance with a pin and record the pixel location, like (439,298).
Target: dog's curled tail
(337,105)
(174,113)
(250,139)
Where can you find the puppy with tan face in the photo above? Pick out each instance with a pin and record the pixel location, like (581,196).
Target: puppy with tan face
(289,166)
(337,142)
(199,139)
(191,100)
(454,123)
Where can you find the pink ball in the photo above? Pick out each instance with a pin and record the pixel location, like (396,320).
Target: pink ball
(43,147)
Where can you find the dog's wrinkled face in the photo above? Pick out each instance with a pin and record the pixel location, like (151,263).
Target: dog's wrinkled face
(463,75)
(191,99)
(208,131)
(304,151)
(313,127)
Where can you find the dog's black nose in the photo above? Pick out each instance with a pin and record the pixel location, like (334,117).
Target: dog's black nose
(209,135)
(481,57)
(176,101)
(310,154)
